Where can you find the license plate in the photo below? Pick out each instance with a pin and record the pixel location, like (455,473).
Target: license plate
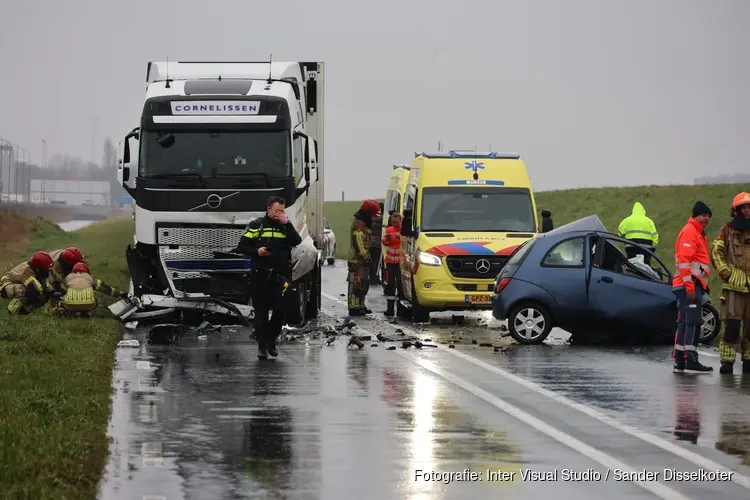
(478,299)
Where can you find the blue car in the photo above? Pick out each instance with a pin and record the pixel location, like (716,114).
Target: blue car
(589,282)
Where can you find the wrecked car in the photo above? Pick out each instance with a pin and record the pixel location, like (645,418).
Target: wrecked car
(578,277)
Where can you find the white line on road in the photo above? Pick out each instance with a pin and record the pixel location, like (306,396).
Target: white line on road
(680,452)
(143,365)
(584,449)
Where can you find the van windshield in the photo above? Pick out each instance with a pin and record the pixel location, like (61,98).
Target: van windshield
(477,209)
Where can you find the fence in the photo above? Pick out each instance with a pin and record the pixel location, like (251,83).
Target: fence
(15,173)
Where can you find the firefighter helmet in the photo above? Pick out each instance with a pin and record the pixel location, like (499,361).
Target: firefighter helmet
(80,268)
(371,207)
(71,256)
(741,199)
(41,261)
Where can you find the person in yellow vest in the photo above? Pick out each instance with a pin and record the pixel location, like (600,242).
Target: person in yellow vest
(639,229)
(79,295)
(64,259)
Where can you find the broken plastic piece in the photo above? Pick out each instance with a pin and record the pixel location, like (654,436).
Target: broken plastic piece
(129,343)
(131,325)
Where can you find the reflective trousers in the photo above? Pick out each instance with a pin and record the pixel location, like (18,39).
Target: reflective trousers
(735,308)
(358,279)
(392,280)
(689,323)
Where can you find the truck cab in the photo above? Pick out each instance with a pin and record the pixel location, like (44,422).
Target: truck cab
(215,141)
(464,214)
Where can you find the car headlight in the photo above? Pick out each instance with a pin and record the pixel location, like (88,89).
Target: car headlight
(428,259)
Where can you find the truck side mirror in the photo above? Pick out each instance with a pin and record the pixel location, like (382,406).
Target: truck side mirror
(125,174)
(126,153)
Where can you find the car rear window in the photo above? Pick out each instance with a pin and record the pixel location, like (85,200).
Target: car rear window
(520,253)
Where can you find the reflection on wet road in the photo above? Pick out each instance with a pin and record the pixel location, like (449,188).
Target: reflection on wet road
(207,420)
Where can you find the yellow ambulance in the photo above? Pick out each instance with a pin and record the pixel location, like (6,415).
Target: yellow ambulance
(464,214)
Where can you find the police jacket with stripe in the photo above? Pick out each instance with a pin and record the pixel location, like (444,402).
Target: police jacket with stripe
(277,238)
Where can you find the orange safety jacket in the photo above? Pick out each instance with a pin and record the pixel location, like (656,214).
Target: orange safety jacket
(391,240)
(691,257)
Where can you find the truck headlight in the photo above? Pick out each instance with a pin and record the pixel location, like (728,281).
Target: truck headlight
(428,259)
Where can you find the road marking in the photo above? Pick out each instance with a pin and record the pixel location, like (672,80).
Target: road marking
(680,452)
(143,365)
(152,455)
(154,497)
(146,385)
(147,414)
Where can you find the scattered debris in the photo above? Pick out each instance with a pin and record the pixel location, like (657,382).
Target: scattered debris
(330,340)
(418,344)
(451,346)
(364,337)
(390,348)
(374,345)
(474,341)
(428,340)
(406,344)
(129,343)
(355,341)
(503,327)
(131,325)
(202,337)
(485,344)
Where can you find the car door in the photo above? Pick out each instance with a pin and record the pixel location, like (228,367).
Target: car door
(629,294)
(565,277)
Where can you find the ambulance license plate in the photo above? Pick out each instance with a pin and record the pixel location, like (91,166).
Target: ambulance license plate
(478,299)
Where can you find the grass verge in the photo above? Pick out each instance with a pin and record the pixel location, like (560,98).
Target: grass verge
(56,374)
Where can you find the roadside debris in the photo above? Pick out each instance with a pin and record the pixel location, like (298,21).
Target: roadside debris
(131,325)
(355,341)
(129,343)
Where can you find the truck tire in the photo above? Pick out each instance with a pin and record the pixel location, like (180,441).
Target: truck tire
(314,297)
(298,305)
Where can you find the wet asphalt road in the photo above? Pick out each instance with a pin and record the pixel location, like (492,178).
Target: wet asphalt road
(207,420)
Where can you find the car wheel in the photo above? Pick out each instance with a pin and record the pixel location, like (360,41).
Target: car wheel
(529,323)
(711,323)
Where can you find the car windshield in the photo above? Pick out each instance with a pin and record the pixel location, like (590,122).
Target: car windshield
(215,153)
(477,209)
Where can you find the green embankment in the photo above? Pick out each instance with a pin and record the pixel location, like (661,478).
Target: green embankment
(55,373)
(668,206)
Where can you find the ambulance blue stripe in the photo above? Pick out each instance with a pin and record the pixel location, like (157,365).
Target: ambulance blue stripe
(476,183)
(473,248)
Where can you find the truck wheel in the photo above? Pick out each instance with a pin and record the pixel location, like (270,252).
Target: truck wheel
(298,306)
(314,302)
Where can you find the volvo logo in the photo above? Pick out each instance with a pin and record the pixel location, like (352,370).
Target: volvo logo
(213,200)
(483,266)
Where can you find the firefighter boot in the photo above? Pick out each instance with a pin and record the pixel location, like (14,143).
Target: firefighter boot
(390,312)
(727,367)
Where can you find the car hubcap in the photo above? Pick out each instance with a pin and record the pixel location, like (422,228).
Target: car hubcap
(709,322)
(529,323)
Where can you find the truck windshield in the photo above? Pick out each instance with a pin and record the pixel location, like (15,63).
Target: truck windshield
(477,209)
(220,153)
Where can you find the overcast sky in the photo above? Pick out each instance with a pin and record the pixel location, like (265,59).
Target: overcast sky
(590,92)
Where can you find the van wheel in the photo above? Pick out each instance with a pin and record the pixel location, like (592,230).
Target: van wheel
(298,306)
(529,323)
(419,314)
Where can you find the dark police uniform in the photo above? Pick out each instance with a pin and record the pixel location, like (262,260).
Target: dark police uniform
(270,276)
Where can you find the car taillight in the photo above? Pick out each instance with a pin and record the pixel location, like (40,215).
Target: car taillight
(502,284)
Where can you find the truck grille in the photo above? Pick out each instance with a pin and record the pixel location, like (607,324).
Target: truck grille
(469,266)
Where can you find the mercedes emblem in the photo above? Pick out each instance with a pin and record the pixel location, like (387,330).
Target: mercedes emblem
(483,266)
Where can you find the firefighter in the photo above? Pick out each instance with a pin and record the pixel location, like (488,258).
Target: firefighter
(375,249)
(269,240)
(64,260)
(392,241)
(79,288)
(730,257)
(359,263)
(639,228)
(689,284)
(26,284)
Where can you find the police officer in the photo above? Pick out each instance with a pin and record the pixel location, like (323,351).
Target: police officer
(268,241)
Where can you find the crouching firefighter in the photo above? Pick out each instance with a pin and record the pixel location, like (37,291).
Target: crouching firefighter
(359,262)
(268,241)
(79,295)
(689,284)
(64,260)
(392,242)
(26,284)
(731,258)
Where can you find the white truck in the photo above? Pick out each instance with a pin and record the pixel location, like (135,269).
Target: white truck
(216,140)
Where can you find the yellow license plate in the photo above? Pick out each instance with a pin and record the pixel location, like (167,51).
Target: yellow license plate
(479,299)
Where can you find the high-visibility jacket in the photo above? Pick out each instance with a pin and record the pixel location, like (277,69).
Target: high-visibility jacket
(392,242)
(691,256)
(638,226)
(80,288)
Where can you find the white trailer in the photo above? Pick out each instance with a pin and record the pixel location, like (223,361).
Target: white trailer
(216,140)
